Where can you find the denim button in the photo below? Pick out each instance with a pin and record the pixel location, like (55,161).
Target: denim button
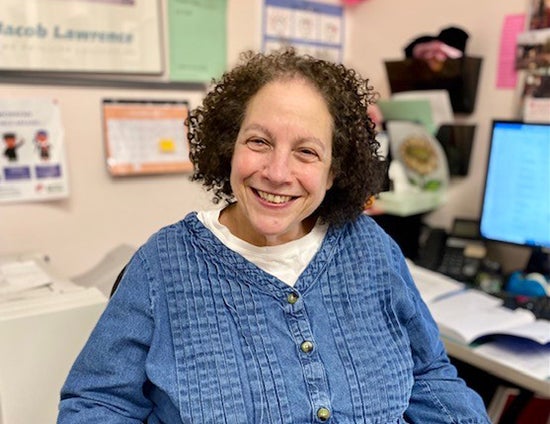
(323,414)
(306,346)
(292,298)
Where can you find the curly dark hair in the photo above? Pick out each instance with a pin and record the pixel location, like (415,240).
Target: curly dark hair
(358,171)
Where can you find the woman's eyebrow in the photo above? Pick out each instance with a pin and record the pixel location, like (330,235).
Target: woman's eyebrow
(257,127)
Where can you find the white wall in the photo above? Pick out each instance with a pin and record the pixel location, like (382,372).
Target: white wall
(102,212)
(382,28)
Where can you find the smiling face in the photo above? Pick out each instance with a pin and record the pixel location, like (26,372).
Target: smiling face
(280,169)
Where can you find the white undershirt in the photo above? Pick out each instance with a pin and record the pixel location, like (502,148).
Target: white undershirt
(285,261)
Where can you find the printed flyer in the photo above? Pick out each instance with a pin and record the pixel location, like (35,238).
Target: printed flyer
(33,161)
(311,27)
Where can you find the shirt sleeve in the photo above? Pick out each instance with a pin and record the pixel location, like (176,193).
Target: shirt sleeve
(438,394)
(107,382)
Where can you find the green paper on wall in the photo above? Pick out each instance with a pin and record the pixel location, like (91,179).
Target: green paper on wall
(196,39)
(419,111)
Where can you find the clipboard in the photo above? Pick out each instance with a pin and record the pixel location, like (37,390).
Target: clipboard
(145,137)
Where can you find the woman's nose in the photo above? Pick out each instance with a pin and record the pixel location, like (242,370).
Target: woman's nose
(278,167)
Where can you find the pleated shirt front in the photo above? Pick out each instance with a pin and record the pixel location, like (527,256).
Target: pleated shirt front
(197,334)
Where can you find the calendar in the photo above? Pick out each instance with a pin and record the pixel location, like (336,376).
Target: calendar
(145,137)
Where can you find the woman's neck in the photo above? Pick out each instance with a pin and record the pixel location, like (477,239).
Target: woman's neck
(238,225)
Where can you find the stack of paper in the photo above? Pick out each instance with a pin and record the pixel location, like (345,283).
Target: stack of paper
(472,314)
(431,284)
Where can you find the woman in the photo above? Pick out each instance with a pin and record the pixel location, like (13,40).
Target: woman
(288,304)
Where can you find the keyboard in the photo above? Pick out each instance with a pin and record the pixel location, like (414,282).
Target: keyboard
(540,306)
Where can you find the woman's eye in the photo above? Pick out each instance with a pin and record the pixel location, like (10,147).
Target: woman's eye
(308,153)
(257,143)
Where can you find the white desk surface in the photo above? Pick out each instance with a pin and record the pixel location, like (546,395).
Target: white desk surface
(506,372)
(432,284)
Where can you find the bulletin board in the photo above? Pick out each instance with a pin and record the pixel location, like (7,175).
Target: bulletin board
(144,137)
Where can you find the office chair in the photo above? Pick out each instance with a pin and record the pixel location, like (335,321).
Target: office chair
(117,281)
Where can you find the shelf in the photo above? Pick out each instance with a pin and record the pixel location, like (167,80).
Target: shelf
(94,80)
(408,203)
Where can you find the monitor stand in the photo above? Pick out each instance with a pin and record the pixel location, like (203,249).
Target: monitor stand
(539,262)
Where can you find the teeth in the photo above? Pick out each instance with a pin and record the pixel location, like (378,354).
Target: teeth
(274,198)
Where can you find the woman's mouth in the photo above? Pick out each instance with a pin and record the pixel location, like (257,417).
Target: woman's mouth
(273,198)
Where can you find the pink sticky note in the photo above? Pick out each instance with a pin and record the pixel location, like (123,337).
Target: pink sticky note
(507,74)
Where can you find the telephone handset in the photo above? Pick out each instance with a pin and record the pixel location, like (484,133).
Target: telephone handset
(458,254)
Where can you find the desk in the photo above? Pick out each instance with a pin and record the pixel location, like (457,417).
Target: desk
(515,376)
(432,286)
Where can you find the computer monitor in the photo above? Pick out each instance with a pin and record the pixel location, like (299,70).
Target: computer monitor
(516,198)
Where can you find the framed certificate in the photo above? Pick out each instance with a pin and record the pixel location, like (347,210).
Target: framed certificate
(99,36)
(145,137)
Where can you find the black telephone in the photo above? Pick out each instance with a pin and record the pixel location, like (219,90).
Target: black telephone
(458,254)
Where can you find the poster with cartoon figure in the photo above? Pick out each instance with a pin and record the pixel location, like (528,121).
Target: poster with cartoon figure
(32,161)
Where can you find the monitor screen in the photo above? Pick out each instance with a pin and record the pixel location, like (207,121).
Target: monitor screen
(516,199)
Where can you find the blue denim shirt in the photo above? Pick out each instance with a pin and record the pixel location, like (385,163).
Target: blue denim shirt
(197,334)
